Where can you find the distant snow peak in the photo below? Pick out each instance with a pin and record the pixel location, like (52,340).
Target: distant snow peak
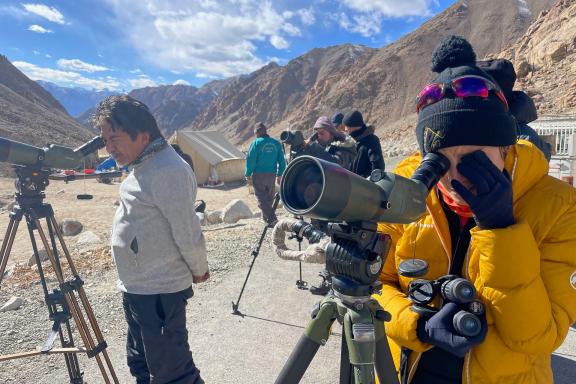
(523,9)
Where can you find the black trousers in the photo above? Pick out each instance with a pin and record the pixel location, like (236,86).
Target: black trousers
(157,345)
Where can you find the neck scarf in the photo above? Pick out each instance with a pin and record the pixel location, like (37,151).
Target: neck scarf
(152,148)
(459,209)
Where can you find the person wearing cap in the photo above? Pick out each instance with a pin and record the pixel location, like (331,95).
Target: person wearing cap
(265,164)
(368,150)
(497,219)
(337,122)
(337,147)
(521,105)
(331,144)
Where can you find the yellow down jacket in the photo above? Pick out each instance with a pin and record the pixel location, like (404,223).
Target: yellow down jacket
(525,275)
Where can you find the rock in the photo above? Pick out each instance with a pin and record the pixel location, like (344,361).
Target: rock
(523,69)
(234,211)
(70,227)
(213,217)
(559,52)
(117,203)
(88,240)
(60,192)
(202,218)
(43,257)
(257,215)
(13,304)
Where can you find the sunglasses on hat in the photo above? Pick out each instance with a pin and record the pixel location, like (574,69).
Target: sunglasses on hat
(464,86)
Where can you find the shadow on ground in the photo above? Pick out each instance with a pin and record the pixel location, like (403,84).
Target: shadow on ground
(564,369)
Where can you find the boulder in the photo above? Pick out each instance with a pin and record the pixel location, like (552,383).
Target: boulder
(13,304)
(43,257)
(88,240)
(234,211)
(70,227)
(213,217)
(201,217)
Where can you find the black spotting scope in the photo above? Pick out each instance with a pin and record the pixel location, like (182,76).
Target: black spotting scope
(326,191)
(53,156)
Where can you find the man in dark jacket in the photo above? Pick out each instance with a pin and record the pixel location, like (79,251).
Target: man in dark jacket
(331,145)
(521,105)
(368,150)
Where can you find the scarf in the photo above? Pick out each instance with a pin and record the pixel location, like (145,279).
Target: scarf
(460,210)
(152,148)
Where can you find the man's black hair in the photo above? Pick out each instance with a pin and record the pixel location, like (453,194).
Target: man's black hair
(127,114)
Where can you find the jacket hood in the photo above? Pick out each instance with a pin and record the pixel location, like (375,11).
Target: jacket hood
(347,143)
(522,107)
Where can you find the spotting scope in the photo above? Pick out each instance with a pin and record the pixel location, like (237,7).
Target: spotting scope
(323,190)
(53,156)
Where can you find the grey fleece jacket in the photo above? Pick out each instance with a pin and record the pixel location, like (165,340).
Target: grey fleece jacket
(157,242)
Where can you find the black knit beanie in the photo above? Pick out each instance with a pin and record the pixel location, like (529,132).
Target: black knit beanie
(457,121)
(502,70)
(353,119)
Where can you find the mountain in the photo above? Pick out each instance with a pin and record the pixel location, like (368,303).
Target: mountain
(544,60)
(176,106)
(76,100)
(28,113)
(382,83)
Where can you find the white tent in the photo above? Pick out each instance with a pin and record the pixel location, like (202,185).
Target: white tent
(215,158)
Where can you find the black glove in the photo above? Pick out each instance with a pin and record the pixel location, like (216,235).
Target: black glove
(493,204)
(439,331)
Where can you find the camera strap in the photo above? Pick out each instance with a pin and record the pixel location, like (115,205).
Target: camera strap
(460,237)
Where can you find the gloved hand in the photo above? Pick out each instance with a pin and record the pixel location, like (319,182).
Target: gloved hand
(439,331)
(492,204)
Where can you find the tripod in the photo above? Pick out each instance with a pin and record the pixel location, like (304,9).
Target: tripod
(354,258)
(364,344)
(70,300)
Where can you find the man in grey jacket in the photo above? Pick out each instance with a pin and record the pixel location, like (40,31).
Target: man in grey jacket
(157,243)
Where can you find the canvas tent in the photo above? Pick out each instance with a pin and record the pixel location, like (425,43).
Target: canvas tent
(215,158)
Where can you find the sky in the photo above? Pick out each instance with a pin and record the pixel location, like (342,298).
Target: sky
(121,45)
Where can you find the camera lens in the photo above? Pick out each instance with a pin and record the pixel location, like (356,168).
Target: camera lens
(467,324)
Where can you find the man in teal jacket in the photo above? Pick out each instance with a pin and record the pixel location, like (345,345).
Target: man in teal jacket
(265,163)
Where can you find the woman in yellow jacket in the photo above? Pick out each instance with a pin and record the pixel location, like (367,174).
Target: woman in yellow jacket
(496,219)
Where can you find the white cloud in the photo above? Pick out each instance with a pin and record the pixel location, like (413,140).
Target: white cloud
(392,8)
(79,65)
(215,38)
(142,82)
(307,16)
(181,82)
(66,78)
(370,13)
(279,42)
(38,29)
(135,71)
(49,13)
(36,52)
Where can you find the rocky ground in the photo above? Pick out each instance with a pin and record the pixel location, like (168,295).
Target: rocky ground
(228,348)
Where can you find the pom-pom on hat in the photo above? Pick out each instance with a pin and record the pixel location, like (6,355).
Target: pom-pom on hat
(454,121)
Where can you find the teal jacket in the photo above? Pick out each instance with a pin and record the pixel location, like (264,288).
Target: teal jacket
(265,156)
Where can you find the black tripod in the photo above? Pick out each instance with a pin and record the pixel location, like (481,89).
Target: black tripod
(301,284)
(67,301)
(365,349)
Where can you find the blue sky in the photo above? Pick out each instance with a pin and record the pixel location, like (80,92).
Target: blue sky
(127,44)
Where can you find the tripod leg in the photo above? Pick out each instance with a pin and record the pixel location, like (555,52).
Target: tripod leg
(101,347)
(385,368)
(72,302)
(315,335)
(7,245)
(345,367)
(358,330)
(255,253)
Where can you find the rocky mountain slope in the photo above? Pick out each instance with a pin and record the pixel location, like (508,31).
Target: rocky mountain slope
(382,83)
(176,106)
(28,113)
(545,60)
